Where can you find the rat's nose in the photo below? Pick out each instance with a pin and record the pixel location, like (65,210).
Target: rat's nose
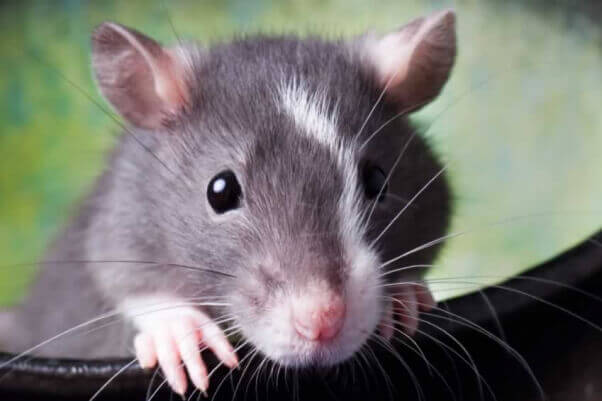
(319,318)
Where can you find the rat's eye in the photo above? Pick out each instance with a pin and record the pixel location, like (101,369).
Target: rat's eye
(375,182)
(224,192)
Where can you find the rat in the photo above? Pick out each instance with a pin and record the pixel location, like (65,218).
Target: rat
(269,186)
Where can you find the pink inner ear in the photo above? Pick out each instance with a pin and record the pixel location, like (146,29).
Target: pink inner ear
(143,81)
(393,55)
(413,64)
(170,83)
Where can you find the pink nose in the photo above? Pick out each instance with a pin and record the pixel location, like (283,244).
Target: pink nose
(319,319)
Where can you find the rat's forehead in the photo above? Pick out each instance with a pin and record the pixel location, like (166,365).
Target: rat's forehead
(288,98)
(302,163)
(305,128)
(244,78)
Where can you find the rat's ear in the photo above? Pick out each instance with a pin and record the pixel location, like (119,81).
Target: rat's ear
(413,63)
(144,82)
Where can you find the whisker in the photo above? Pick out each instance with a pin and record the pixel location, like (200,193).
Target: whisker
(365,365)
(469,362)
(494,315)
(404,268)
(254,354)
(149,396)
(257,374)
(585,293)
(271,376)
(117,261)
(470,284)
(250,380)
(205,347)
(105,111)
(402,113)
(595,242)
(502,343)
(445,332)
(546,302)
(279,368)
(387,377)
(416,348)
(229,374)
(113,377)
(397,197)
(429,365)
(479,329)
(420,248)
(389,175)
(468,323)
(236,349)
(120,319)
(99,318)
(503,221)
(378,100)
(170,21)
(398,215)
(51,339)
(149,388)
(452,103)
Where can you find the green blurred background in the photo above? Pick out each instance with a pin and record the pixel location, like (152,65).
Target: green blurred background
(520,121)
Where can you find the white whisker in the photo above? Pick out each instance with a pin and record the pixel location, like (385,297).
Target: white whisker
(398,215)
(113,377)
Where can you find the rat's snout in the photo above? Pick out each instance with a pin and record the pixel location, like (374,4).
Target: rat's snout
(318,317)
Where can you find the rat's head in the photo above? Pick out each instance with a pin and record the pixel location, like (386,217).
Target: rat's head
(279,180)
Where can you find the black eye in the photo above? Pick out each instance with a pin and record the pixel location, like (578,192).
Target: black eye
(375,182)
(224,192)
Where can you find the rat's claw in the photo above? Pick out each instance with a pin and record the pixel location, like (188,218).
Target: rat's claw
(408,301)
(386,326)
(174,337)
(188,335)
(169,359)
(426,301)
(407,309)
(145,350)
(216,340)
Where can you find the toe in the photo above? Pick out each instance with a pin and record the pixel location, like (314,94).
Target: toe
(213,336)
(169,359)
(187,337)
(145,350)
(386,324)
(408,310)
(171,336)
(424,296)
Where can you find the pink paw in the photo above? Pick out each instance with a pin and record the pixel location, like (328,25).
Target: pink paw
(408,301)
(174,339)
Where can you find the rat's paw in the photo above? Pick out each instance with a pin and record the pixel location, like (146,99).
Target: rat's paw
(174,339)
(408,301)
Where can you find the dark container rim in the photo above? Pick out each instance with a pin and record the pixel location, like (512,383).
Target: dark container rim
(569,272)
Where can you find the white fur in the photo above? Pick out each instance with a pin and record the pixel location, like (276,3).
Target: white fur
(310,113)
(274,332)
(147,311)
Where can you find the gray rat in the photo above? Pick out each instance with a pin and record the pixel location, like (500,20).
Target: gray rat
(259,190)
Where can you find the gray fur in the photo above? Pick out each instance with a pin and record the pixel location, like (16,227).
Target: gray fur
(143,210)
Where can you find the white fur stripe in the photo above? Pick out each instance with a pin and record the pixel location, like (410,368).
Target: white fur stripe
(310,113)
(313,118)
